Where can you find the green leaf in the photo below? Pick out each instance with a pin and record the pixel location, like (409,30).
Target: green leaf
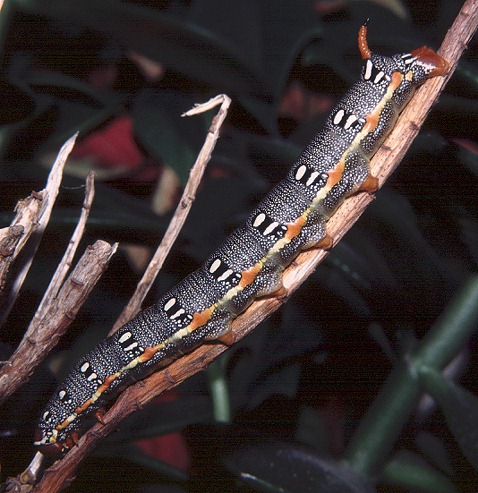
(172,38)
(290,468)
(412,473)
(460,408)
(435,450)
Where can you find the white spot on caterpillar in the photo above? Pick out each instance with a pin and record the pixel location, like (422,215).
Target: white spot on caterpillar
(84,367)
(338,117)
(300,172)
(368,70)
(180,312)
(408,58)
(46,415)
(131,346)
(92,377)
(260,218)
(169,304)
(350,121)
(378,77)
(226,274)
(312,178)
(215,265)
(125,337)
(270,229)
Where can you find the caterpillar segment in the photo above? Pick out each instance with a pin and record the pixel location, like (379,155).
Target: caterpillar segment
(250,262)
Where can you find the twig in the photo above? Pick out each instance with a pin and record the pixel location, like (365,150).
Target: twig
(182,211)
(44,333)
(383,164)
(65,264)
(33,215)
(8,246)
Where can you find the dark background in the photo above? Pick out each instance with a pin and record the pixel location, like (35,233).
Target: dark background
(307,375)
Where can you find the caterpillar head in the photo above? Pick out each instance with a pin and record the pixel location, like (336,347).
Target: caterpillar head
(417,66)
(52,441)
(402,72)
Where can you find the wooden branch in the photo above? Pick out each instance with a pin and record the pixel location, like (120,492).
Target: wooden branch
(43,334)
(383,164)
(182,211)
(33,215)
(8,246)
(65,264)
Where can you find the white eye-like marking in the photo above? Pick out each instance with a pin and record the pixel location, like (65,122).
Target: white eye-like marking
(338,117)
(169,304)
(312,178)
(223,273)
(180,312)
(260,218)
(93,376)
(350,121)
(309,177)
(408,58)
(270,229)
(378,77)
(226,275)
(368,70)
(126,336)
(300,172)
(215,265)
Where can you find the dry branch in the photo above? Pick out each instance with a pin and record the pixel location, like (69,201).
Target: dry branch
(8,247)
(383,164)
(182,211)
(43,333)
(65,264)
(33,214)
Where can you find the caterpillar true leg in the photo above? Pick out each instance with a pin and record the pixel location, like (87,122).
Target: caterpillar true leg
(250,262)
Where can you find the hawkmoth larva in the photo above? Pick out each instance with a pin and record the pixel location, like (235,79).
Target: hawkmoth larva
(249,264)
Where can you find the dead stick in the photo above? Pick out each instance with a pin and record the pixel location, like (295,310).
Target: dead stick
(136,396)
(65,264)
(46,200)
(182,211)
(44,335)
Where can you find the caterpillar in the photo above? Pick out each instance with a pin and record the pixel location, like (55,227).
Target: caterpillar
(250,262)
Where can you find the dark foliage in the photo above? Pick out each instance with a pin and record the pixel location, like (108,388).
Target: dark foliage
(306,376)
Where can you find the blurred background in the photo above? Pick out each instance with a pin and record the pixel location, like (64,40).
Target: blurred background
(122,73)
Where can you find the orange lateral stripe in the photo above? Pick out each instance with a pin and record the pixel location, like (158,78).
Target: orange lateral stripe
(372,121)
(200,319)
(294,229)
(335,175)
(372,118)
(148,353)
(250,274)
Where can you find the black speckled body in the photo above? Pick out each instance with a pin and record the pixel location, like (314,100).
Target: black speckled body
(250,262)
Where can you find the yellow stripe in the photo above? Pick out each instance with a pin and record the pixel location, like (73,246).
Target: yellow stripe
(293,230)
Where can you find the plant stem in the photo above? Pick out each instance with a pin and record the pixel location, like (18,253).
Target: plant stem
(219,391)
(374,439)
